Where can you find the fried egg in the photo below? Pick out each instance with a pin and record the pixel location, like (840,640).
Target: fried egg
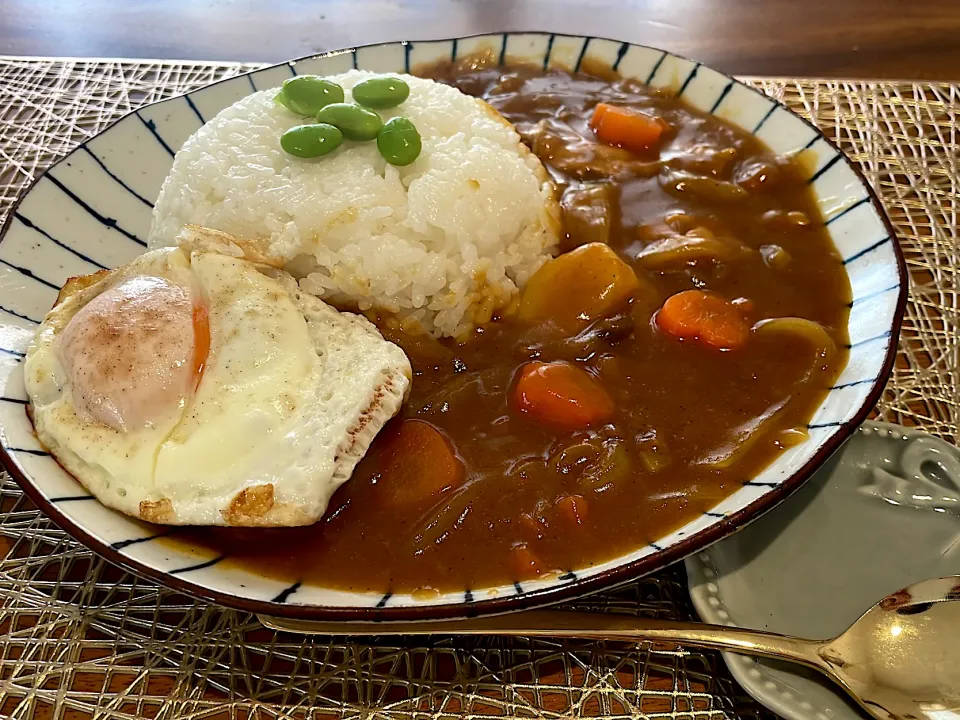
(194,386)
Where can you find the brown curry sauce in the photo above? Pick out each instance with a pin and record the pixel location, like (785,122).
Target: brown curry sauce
(535,500)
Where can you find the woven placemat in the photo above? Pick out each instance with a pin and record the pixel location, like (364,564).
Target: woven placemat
(79,638)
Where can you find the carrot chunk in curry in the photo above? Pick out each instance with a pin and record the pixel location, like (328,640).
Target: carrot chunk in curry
(626,127)
(573,509)
(419,462)
(561,395)
(704,317)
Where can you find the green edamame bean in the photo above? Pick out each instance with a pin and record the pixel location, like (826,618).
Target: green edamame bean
(355,122)
(308,94)
(399,141)
(309,141)
(381,92)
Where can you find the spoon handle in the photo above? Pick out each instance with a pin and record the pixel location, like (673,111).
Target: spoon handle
(589,626)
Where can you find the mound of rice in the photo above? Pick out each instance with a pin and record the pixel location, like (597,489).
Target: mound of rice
(444,241)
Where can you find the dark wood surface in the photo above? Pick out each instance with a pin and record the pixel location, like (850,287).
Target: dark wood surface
(898,39)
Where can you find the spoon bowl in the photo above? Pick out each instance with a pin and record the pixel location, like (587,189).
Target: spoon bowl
(900,660)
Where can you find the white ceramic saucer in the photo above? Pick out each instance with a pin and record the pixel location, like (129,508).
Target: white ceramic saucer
(882,513)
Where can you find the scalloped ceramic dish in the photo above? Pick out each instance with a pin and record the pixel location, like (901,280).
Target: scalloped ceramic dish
(92,210)
(882,514)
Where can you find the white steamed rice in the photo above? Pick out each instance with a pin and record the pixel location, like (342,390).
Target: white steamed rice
(443,241)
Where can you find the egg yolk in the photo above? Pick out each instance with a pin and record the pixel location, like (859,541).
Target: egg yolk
(135,352)
(201,340)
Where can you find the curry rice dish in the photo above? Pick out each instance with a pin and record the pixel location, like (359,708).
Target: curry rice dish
(690,321)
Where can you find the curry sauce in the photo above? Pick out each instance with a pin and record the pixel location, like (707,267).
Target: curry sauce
(708,208)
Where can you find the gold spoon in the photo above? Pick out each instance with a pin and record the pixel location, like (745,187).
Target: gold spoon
(900,660)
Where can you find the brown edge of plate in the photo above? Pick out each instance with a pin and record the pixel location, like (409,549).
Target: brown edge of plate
(534,598)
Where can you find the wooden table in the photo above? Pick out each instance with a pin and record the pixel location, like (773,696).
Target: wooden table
(892,39)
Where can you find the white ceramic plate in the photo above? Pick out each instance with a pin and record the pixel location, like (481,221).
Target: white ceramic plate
(92,210)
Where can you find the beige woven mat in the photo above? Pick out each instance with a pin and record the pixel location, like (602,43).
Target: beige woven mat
(80,639)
